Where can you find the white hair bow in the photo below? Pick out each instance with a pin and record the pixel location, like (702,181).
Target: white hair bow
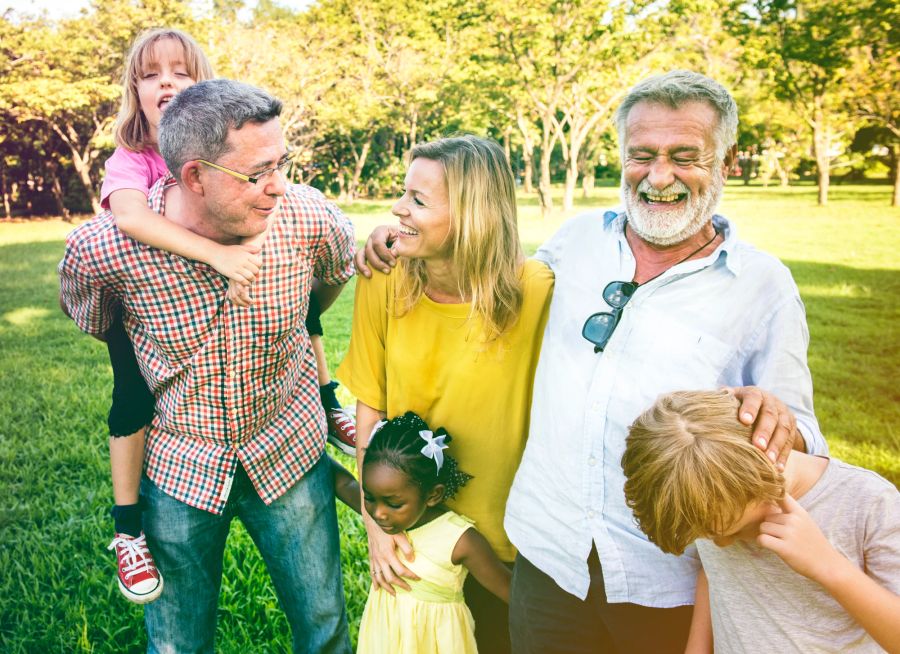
(433,446)
(378,425)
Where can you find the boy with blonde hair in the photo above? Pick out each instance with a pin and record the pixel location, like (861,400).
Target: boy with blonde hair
(804,560)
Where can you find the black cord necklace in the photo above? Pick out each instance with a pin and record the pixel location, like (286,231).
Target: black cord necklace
(699,249)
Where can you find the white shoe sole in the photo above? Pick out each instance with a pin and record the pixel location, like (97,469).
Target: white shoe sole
(139,598)
(343,447)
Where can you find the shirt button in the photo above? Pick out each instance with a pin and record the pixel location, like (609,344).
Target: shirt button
(231,374)
(591,513)
(592,461)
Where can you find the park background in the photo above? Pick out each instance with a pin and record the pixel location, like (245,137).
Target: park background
(817,83)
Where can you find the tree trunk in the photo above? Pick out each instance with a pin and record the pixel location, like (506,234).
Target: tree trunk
(544,186)
(413,129)
(587,184)
(823,176)
(56,189)
(342,185)
(358,168)
(83,161)
(571,181)
(527,151)
(7,207)
(528,172)
(895,197)
(507,148)
(572,173)
(821,146)
(83,168)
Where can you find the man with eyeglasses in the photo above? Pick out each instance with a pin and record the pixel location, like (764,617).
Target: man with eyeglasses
(238,429)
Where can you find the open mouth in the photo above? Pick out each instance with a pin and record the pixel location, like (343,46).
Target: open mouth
(669,199)
(164,102)
(407,231)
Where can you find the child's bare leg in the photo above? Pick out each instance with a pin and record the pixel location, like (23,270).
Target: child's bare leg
(126,459)
(321,362)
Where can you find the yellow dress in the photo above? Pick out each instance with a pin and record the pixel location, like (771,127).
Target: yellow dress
(432,617)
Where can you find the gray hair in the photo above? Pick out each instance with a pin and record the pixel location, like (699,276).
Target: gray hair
(196,123)
(675,89)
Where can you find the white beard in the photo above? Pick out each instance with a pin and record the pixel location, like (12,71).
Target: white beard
(667,227)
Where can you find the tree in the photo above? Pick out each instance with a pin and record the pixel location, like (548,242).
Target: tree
(571,60)
(66,75)
(806,48)
(875,80)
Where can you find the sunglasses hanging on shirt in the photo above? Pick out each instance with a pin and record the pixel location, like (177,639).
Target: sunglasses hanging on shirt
(599,327)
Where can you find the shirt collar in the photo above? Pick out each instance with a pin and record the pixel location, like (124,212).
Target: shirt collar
(614,220)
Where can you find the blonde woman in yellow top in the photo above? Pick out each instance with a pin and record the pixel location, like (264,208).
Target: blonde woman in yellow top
(453,334)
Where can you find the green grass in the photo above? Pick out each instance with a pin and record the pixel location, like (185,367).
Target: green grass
(56,579)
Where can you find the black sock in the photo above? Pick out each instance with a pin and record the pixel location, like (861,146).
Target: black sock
(127,518)
(329,399)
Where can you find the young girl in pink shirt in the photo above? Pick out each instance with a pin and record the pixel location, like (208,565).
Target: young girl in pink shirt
(161,63)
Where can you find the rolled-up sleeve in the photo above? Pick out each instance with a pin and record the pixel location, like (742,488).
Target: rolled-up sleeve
(779,366)
(335,250)
(83,296)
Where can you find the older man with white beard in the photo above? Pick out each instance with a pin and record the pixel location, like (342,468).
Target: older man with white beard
(659,297)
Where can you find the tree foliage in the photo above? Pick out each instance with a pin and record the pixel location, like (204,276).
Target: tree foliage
(362,82)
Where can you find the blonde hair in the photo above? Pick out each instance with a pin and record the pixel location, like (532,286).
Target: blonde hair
(691,470)
(486,247)
(132,130)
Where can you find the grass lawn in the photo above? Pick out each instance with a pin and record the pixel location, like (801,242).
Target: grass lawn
(57,592)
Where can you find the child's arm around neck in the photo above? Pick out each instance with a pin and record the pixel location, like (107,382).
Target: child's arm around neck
(240,263)
(474,552)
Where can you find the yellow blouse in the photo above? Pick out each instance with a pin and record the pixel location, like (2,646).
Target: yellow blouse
(433,362)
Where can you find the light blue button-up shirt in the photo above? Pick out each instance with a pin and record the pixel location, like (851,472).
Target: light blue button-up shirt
(732,318)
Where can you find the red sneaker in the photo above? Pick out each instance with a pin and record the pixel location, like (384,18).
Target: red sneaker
(341,430)
(139,580)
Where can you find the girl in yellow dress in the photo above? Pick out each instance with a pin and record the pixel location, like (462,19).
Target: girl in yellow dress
(406,476)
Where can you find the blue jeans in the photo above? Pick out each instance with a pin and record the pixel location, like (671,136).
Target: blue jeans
(297,536)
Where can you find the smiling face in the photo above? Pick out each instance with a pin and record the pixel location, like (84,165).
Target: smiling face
(746,528)
(672,178)
(424,213)
(393,500)
(160,80)
(235,208)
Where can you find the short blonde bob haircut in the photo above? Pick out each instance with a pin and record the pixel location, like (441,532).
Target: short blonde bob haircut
(132,130)
(486,248)
(691,470)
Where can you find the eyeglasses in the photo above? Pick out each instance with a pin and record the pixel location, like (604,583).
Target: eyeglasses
(599,328)
(283,166)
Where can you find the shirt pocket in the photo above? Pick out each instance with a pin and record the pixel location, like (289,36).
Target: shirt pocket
(672,352)
(281,297)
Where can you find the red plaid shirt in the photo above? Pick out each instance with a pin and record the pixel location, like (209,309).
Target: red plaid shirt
(230,383)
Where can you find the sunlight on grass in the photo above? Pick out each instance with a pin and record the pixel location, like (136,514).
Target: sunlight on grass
(24,316)
(55,384)
(837,290)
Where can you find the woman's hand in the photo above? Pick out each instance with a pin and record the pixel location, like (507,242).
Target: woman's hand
(385,564)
